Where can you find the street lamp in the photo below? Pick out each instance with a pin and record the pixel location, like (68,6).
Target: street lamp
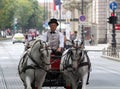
(82,31)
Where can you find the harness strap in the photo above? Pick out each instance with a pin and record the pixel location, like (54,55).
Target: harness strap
(89,66)
(83,64)
(37,65)
(28,67)
(88,60)
(68,66)
(33,59)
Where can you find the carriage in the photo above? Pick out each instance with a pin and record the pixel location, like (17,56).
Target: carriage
(57,74)
(54,77)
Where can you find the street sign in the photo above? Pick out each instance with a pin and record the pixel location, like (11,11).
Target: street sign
(82,18)
(113,5)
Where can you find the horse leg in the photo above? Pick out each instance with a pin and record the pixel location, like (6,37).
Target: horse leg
(73,82)
(70,80)
(28,83)
(84,81)
(29,78)
(41,82)
(36,87)
(68,83)
(40,78)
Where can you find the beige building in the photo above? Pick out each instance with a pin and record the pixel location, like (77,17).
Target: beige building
(96,13)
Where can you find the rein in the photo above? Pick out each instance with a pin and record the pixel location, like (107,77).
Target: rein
(68,55)
(33,60)
(33,66)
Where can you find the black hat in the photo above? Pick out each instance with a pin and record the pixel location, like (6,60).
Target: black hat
(53,21)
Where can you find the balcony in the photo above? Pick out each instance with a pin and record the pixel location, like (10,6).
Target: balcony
(72,4)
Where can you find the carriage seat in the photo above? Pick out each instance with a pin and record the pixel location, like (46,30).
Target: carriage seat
(55,61)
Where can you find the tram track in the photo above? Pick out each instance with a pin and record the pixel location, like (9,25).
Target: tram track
(3,80)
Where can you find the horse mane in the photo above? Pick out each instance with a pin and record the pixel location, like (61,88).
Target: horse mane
(35,42)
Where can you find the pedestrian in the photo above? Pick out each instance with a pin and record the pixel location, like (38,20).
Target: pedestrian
(54,37)
(73,36)
(91,41)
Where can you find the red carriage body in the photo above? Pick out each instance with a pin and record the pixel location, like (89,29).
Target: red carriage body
(55,62)
(54,77)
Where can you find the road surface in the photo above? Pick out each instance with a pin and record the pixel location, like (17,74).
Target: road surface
(105,73)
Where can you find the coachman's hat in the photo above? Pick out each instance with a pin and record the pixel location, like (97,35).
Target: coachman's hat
(53,20)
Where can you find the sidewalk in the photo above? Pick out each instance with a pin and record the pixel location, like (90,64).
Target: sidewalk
(5,38)
(100,48)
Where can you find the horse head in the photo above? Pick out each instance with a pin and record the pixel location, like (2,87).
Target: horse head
(40,53)
(76,53)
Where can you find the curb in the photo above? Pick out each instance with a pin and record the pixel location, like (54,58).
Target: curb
(111,58)
(1,39)
(5,38)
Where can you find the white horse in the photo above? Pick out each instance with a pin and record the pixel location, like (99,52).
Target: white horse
(75,65)
(34,64)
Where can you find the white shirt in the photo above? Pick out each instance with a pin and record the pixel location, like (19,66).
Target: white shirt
(61,38)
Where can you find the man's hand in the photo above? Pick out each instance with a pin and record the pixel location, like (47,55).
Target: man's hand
(59,49)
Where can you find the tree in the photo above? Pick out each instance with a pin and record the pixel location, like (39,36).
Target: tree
(28,13)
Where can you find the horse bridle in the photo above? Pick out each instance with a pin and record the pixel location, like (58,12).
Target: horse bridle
(69,55)
(80,58)
(41,48)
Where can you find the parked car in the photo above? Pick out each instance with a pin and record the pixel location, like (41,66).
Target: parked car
(18,38)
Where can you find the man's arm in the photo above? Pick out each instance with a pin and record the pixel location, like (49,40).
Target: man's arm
(61,39)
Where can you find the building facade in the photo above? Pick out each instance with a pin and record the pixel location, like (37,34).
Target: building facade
(96,13)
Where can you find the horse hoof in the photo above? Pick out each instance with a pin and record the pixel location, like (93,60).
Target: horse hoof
(87,83)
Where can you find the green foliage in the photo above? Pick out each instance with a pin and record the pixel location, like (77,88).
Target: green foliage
(28,13)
